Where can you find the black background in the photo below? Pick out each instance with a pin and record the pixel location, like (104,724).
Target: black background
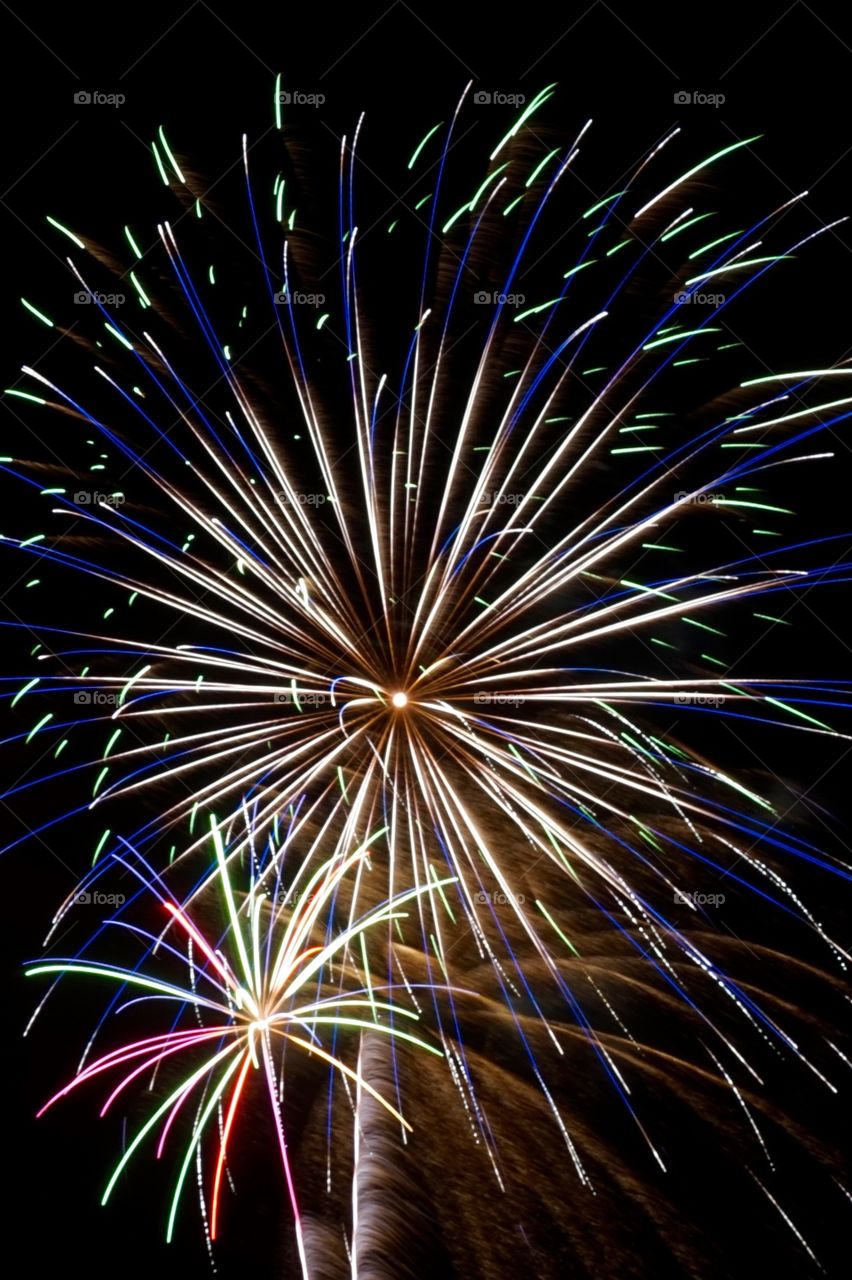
(206,72)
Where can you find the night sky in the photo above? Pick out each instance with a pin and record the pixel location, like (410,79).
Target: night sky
(206,72)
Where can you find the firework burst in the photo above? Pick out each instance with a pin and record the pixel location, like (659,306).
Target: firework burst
(256,991)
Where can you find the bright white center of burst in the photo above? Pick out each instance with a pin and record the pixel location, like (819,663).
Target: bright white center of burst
(400,699)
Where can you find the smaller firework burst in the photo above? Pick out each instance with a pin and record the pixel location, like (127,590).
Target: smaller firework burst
(265,984)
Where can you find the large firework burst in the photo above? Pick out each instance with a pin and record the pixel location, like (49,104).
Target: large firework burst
(443,613)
